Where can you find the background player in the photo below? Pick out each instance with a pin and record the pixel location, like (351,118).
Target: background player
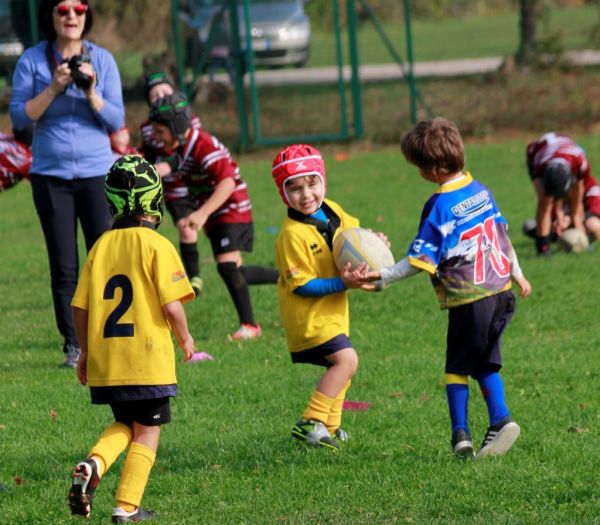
(221,203)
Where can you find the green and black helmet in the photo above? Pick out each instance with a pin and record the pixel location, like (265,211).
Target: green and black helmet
(173,111)
(133,187)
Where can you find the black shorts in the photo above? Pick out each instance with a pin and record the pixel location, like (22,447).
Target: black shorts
(148,412)
(231,237)
(180,208)
(474,334)
(318,354)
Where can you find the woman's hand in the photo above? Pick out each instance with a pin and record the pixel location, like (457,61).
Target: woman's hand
(61,79)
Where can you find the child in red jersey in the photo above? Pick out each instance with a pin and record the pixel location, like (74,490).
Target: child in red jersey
(177,198)
(221,203)
(15,161)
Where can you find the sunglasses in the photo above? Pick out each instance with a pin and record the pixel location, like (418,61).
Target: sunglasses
(63,9)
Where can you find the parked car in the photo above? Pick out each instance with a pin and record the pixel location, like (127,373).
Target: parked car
(15,34)
(280,30)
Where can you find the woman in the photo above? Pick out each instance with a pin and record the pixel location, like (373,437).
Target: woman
(70,88)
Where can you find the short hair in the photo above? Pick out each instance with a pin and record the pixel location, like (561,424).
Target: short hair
(435,145)
(557,178)
(46,24)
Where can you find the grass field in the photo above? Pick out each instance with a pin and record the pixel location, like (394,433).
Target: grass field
(228,457)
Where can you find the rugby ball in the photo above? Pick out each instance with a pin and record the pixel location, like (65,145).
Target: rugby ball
(357,245)
(573,240)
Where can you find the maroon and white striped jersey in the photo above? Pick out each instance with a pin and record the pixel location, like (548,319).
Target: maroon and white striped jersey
(550,146)
(15,161)
(204,163)
(154,150)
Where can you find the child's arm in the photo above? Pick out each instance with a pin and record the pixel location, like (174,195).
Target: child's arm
(320,286)
(517,274)
(80,322)
(400,270)
(175,314)
(220,194)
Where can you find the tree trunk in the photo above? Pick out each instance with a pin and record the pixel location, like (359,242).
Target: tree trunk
(527,26)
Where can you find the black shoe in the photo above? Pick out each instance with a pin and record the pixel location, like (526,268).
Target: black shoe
(499,438)
(81,493)
(120,516)
(314,433)
(462,446)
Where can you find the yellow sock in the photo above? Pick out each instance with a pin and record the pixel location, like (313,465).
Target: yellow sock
(335,414)
(318,407)
(136,470)
(114,440)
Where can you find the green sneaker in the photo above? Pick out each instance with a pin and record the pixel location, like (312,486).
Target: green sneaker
(314,433)
(197,285)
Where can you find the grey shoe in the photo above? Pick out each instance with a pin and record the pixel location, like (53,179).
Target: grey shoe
(314,433)
(72,356)
(341,435)
(499,438)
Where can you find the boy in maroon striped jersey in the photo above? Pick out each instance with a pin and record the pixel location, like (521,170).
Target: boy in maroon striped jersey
(221,202)
(177,199)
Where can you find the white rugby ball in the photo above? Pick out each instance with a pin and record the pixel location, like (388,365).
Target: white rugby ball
(573,240)
(357,245)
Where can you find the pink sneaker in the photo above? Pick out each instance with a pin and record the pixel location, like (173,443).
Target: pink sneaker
(246,331)
(200,356)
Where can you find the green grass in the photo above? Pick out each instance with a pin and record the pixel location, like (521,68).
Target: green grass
(228,457)
(455,37)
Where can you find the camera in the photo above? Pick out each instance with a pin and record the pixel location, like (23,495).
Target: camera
(81,80)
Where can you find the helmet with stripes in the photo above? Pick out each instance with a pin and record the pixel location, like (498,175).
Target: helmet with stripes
(298,160)
(133,187)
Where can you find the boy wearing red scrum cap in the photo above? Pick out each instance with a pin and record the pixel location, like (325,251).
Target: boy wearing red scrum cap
(313,299)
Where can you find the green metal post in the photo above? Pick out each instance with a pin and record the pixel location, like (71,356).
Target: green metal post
(409,52)
(340,63)
(238,65)
(35,35)
(178,48)
(353,48)
(252,70)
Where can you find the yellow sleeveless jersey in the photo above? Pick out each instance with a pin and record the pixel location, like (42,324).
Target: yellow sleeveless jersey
(302,255)
(129,274)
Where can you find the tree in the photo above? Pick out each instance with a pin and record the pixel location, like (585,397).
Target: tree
(527,51)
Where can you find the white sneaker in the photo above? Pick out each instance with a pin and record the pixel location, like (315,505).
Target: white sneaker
(499,438)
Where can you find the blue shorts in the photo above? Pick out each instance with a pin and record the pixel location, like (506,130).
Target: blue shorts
(318,354)
(474,334)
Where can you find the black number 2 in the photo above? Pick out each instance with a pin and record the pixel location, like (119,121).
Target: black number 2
(112,328)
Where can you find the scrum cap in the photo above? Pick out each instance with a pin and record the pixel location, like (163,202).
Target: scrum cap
(557,178)
(154,79)
(133,187)
(174,112)
(297,161)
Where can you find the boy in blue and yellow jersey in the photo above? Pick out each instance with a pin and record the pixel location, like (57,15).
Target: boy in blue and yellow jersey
(463,244)
(128,298)
(312,294)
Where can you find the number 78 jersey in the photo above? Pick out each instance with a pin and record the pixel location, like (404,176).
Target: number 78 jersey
(130,273)
(463,243)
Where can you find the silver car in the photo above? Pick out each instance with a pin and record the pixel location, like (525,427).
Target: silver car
(280,30)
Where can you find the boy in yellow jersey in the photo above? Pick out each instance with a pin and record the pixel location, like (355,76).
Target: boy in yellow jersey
(312,294)
(128,298)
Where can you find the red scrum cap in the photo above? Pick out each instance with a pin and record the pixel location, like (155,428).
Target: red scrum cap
(297,161)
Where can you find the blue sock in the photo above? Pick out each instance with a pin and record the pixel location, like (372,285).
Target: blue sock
(458,400)
(492,389)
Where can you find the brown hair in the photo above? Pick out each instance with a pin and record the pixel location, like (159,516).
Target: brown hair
(435,145)
(46,24)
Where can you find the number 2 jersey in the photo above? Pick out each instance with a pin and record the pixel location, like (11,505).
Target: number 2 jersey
(130,273)
(463,243)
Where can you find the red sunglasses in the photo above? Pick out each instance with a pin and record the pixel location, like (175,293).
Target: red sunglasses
(63,9)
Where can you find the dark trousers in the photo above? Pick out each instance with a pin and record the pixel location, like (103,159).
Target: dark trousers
(59,204)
